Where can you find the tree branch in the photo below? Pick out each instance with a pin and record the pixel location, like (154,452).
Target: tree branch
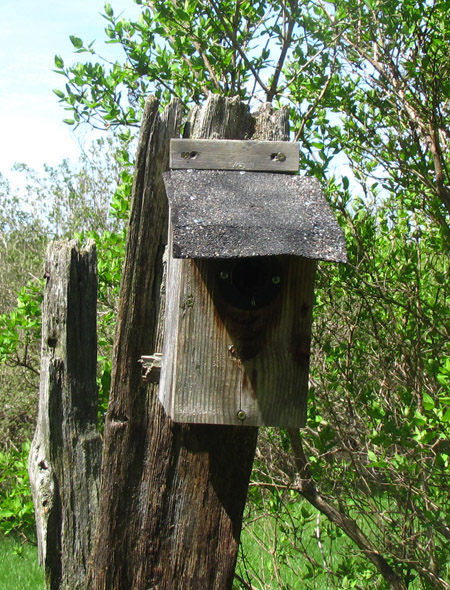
(442,190)
(287,38)
(315,104)
(232,36)
(306,487)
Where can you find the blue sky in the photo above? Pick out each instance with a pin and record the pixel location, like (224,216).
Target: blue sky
(33,31)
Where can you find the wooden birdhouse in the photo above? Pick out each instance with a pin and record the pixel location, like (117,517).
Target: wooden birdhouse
(245,234)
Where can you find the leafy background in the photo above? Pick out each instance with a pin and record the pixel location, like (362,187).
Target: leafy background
(367,85)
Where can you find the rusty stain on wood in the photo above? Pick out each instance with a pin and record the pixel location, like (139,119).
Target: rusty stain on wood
(222,359)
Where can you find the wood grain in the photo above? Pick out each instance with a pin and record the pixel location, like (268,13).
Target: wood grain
(172,495)
(213,154)
(64,463)
(224,365)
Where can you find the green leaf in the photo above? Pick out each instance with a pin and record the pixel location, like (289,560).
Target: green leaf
(108,10)
(59,63)
(419,419)
(76,41)
(372,457)
(427,402)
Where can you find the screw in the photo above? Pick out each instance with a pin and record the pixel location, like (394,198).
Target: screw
(241,415)
(279,157)
(224,275)
(276,280)
(189,155)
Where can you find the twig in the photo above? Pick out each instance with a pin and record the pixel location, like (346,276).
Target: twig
(246,585)
(231,34)
(315,104)
(287,38)
(306,487)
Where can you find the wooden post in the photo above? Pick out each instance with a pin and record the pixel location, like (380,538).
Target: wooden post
(172,495)
(64,462)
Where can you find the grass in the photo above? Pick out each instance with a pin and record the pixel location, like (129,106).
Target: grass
(19,569)
(288,545)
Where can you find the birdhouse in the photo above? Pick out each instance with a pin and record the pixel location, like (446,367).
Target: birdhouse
(245,234)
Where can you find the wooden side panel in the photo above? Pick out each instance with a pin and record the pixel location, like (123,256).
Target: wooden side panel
(224,365)
(213,154)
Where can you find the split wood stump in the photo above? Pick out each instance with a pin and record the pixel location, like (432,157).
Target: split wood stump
(172,495)
(65,456)
(237,322)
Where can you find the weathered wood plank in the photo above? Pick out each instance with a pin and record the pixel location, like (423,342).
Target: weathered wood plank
(134,422)
(64,462)
(224,365)
(252,155)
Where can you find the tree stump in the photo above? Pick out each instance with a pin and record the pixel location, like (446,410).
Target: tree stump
(172,495)
(64,462)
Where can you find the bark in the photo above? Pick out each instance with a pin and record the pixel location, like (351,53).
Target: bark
(172,495)
(64,462)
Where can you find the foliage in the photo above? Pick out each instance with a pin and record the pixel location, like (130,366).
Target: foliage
(377,432)
(396,99)
(70,198)
(260,51)
(366,79)
(16,505)
(19,358)
(22,241)
(285,541)
(87,200)
(368,91)
(20,328)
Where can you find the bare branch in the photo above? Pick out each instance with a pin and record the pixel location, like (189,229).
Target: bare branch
(306,487)
(287,39)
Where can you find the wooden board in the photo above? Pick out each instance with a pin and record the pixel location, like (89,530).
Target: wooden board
(65,455)
(224,365)
(226,154)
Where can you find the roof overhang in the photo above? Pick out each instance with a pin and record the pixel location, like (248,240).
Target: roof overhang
(235,214)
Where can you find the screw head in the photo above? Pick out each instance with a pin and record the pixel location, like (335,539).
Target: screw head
(224,275)
(189,155)
(276,279)
(241,415)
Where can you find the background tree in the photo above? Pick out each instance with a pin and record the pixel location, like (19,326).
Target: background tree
(368,80)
